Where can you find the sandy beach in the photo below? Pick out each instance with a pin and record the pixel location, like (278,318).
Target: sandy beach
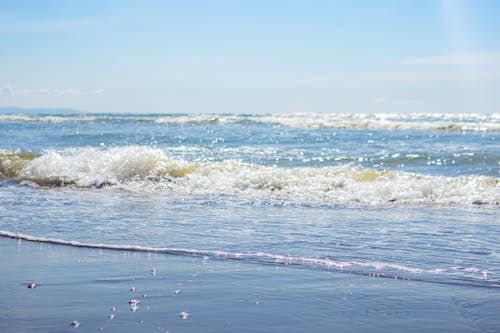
(196,294)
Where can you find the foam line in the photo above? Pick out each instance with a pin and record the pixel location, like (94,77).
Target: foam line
(147,169)
(261,257)
(380,121)
(375,269)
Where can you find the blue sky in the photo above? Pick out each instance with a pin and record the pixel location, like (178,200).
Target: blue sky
(251,56)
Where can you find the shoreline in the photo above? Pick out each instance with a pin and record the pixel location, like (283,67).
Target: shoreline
(83,285)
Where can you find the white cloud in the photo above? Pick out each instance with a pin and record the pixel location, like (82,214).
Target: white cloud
(456,59)
(69,91)
(9,91)
(395,78)
(6,91)
(418,77)
(98,92)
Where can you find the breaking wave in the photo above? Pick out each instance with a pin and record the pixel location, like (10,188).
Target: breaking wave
(391,122)
(141,168)
(48,118)
(382,121)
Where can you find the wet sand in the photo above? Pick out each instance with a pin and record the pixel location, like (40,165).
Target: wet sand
(194,294)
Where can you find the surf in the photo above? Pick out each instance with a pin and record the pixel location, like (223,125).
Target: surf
(152,170)
(471,122)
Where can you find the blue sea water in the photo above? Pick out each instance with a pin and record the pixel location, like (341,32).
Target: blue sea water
(412,197)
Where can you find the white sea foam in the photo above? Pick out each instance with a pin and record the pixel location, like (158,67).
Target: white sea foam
(48,118)
(138,168)
(369,268)
(413,122)
(366,121)
(191,119)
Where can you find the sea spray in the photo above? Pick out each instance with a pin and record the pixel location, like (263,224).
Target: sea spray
(143,168)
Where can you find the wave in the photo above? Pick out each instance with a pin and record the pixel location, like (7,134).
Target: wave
(146,169)
(382,121)
(391,122)
(48,118)
(193,119)
(464,275)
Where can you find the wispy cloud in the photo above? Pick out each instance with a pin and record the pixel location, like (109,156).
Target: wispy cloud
(456,59)
(6,91)
(398,77)
(10,91)
(409,77)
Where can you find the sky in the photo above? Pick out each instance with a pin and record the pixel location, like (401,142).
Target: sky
(253,56)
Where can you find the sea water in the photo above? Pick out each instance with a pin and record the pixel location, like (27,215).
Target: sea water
(403,196)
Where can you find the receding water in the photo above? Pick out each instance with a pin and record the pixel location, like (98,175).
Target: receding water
(403,196)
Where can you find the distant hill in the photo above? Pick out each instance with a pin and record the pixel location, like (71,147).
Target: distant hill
(16,110)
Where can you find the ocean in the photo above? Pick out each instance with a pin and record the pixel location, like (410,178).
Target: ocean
(405,198)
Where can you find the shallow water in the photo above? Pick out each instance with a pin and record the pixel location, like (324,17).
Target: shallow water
(405,197)
(446,244)
(88,286)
